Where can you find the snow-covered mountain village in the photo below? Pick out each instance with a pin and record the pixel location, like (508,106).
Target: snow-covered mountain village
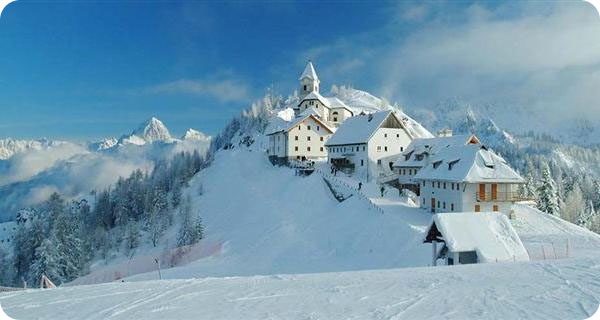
(309,184)
(315,200)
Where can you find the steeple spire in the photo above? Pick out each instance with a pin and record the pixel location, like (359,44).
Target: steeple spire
(309,72)
(309,81)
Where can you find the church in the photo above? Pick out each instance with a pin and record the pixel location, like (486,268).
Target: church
(331,110)
(316,119)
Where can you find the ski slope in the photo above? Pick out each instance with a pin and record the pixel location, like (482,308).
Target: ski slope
(564,289)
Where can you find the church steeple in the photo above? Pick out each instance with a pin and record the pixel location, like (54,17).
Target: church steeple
(309,81)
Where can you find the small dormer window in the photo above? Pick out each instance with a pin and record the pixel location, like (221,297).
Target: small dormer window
(451,164)
(437,164)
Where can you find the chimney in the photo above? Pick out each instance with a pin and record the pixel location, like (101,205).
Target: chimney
(445,133)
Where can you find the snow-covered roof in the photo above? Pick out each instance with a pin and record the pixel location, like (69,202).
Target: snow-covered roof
(472,163)
(359,129)
(309,72)
(317,96)
(422,148)
(335,103)
(279,126)
(490,234)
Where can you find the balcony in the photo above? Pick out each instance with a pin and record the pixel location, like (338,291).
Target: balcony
(500,197)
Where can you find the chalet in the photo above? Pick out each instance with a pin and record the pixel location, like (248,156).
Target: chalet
(418,154)
(331,110)
(468,237)
(368,142)
(468,178)
(301,139)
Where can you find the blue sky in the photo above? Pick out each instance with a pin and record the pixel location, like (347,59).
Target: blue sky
(85,70)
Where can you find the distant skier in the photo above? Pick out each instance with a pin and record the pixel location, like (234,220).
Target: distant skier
(359,185)
(382,190)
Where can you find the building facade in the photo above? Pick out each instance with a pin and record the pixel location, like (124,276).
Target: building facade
(368,143)
(418,154)
(303,139)
(468,178)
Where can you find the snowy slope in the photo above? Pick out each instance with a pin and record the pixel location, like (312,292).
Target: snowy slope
(272,221)
(567,289)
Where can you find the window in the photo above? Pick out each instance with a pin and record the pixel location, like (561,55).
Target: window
(321,137)
(378,148)
(299,127)
(296,138)
(438,183)
(495,208)
(335,119)
(432,186)
(397,135)
(318,128)
(437,164)
(452,207)
(385,148)
(321,148)
(401,149)
(385,135)
(304,87)
(307,127)
(452,185)
(308,138)
(444,205)
(307,148)
(438,203)
(403,171)
(477,208)
(363,148)
(379,161)
(451,164)
(444,185)
(361,162)
(296,148)
(423,184)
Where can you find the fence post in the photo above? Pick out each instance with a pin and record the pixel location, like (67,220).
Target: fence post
(543,252)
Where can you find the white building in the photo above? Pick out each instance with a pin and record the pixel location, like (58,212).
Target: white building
(468,237)
(303,138)
(331,110)
(418,154)
(468,178)
(368,143)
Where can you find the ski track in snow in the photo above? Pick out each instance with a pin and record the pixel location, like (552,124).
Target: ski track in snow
(540,290)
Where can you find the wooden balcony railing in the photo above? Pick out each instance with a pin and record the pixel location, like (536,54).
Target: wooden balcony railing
(500,197)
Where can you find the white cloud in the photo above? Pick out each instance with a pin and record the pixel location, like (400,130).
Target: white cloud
(224,90)
(25,165)
(539,57)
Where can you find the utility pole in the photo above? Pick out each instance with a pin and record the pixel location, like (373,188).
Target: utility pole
(158,265)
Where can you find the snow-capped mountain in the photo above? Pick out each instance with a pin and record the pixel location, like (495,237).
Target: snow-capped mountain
(10,147)
(152,130)
(195,135)
(31,170)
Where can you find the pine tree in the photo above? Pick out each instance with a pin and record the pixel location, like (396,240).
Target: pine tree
(157,221)
(132,238)
(69,247)
(547,200)
(574,205)
(46,262)
(191,230)
(7,275)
